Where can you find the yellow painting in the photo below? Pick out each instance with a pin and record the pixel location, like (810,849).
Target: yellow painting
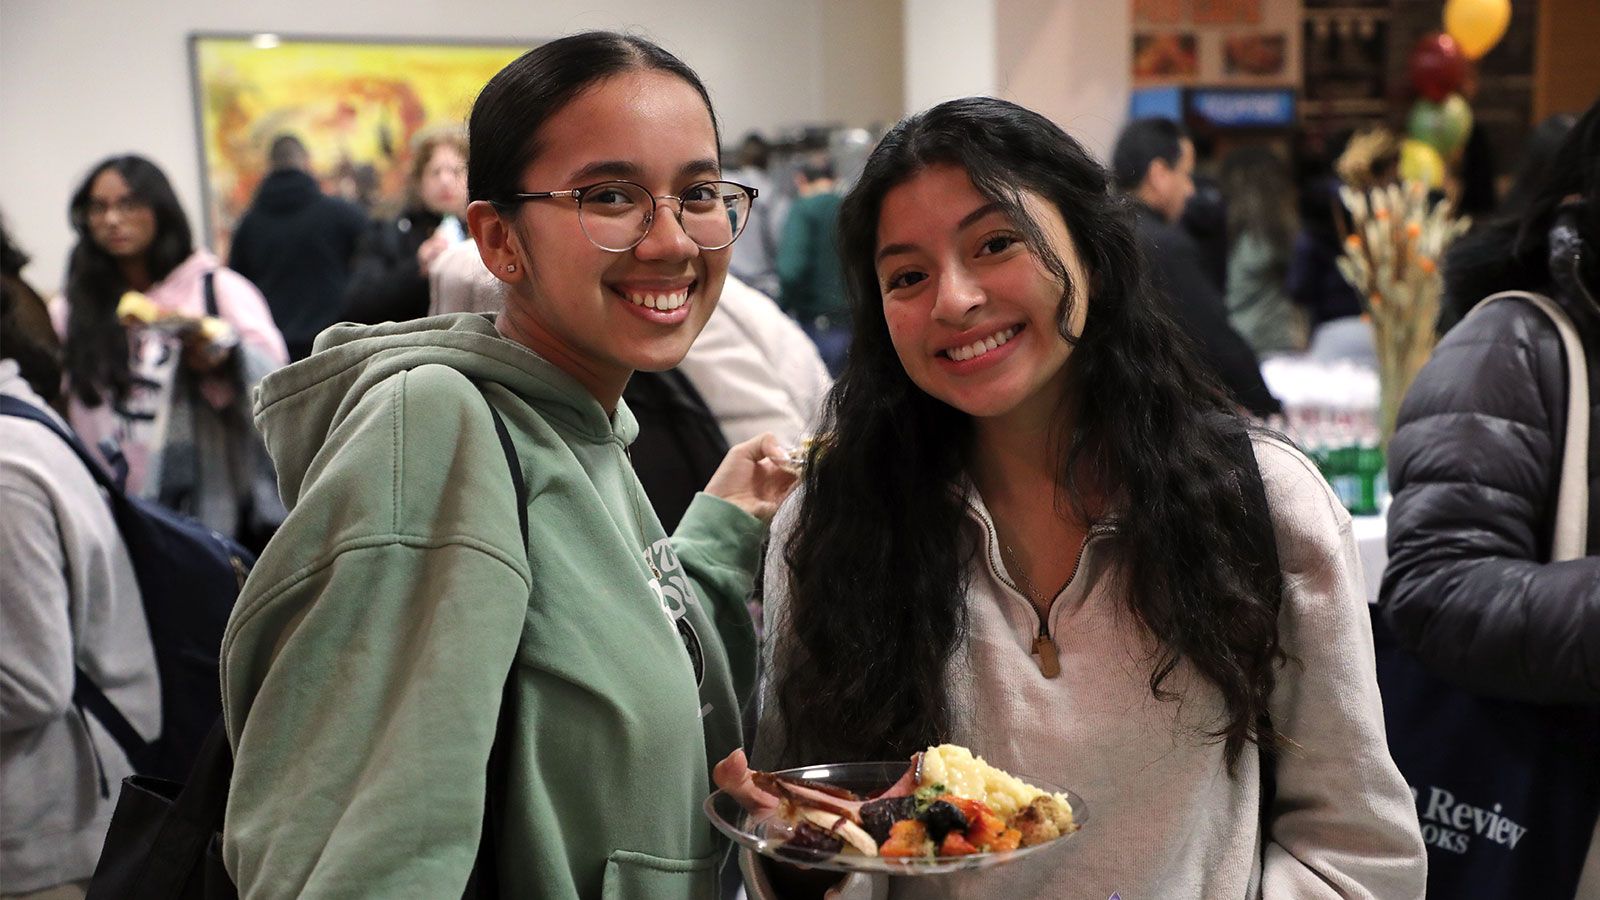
(357,106)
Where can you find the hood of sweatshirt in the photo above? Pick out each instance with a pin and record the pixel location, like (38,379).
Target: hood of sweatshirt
(287,190)
(298,406)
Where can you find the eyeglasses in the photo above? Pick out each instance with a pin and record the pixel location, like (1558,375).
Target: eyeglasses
(616,215)
(128,205)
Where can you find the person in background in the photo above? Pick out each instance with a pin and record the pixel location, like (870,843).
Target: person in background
(811,284)
(1033,527)
(755,255)
(390,278)
(1154,164)
(610,658)
(68,599)
(1261,224)
(295,243)
(159,384)
(1205,214)
(1476,465)
(1475,456)
(1314,280)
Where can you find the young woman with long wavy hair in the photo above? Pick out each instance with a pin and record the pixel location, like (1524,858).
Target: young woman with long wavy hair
(1027,528)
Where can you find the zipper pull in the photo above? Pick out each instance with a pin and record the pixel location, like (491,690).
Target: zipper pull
(1049,657)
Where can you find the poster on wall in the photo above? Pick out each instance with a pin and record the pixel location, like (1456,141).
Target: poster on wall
(358,105)
(1165,57)
(1255,55)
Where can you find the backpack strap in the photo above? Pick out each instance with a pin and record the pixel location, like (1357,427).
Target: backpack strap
(514,463)
(1570,539)
(208,282)
(22,409)
(484,880)
(86,695)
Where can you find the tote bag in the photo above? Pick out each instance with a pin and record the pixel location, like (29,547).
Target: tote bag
(1508,793)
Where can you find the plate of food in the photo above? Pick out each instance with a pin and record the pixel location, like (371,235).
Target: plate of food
(944,811)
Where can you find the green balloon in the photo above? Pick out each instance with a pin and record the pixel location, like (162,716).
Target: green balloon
(1442,126)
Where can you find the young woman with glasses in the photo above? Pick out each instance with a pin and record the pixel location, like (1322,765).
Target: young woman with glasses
(399,627)
(169,393)
(1034,527)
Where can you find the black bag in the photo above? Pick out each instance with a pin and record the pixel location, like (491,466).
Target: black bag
(165,840)
(189,577)
(1508,793)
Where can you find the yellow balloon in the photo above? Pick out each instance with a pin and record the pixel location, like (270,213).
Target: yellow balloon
(1420,162)
(1477,25)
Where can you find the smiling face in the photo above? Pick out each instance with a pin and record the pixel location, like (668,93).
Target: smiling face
(119,222)
(601,315)
(971,311)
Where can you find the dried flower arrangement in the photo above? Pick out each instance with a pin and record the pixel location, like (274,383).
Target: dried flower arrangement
(1391,257)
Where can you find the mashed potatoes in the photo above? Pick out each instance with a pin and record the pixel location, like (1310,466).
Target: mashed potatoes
(969,777)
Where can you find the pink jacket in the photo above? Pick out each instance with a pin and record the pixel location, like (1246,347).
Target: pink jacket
(182,291)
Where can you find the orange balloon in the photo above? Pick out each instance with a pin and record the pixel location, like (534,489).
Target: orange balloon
(1477,25)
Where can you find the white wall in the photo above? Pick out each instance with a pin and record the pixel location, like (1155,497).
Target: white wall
(1069,61)
(83,79)
(950,50)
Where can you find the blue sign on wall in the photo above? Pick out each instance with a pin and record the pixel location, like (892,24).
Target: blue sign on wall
(1271,108)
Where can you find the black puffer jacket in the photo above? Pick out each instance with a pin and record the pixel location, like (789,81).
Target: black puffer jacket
(1474,464)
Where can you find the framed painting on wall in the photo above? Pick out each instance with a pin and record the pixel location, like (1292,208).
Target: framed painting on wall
(358,105)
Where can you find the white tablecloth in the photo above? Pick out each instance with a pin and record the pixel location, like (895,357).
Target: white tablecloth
(1371,533)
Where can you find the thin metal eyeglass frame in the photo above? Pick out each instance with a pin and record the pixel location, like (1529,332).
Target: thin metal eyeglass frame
(576,195)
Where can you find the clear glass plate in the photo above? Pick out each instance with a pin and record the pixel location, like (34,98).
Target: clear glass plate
(866,778)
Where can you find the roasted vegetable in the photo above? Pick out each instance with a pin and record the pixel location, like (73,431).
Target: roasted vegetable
(956,845)
(907,839)
(878,816)
(940,818)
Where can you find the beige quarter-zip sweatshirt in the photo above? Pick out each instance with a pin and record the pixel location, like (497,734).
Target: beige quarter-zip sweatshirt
(1165,820)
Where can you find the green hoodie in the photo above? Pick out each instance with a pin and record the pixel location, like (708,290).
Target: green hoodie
(363,668)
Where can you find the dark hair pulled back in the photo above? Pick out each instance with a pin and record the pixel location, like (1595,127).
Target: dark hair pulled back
(503,131)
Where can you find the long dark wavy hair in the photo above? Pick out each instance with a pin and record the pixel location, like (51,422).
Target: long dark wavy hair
(877,589)
(96,349)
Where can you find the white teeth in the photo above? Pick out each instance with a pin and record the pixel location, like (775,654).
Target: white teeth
(980,347)
(663,302)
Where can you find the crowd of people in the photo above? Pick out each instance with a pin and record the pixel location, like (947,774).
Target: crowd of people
(593,467)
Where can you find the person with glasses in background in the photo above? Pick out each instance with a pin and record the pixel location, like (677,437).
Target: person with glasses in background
(428,687)
(162,347)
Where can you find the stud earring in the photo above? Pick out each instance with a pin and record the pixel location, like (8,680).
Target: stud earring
(511,267)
